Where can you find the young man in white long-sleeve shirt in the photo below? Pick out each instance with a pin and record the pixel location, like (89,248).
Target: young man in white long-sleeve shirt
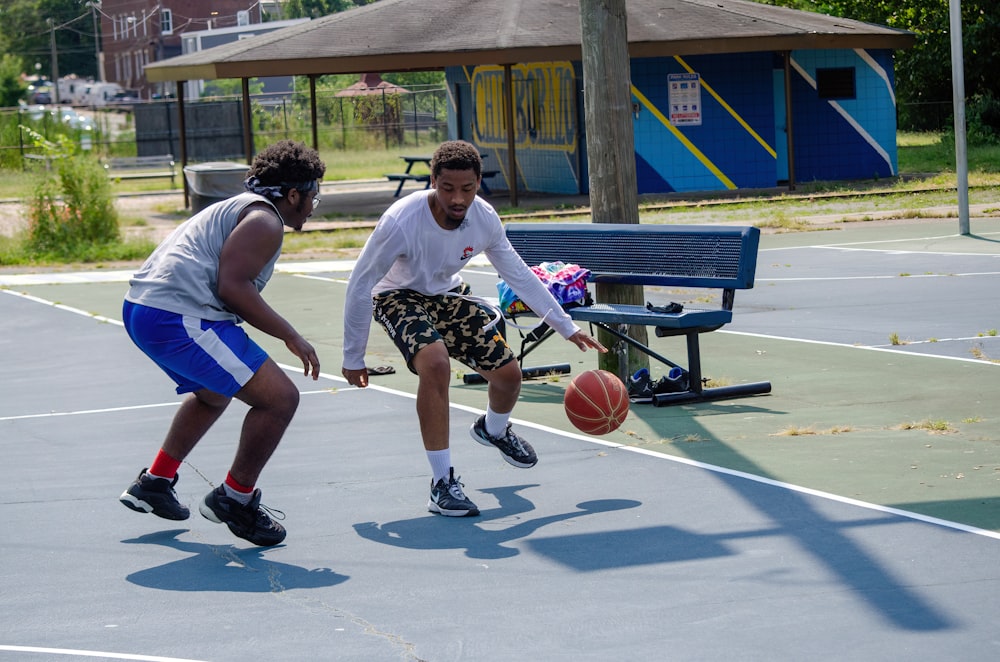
(407,276)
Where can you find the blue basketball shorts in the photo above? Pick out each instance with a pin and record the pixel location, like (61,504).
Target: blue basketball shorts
(195,353)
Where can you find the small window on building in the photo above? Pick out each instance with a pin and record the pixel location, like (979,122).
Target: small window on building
(836,83)
(166,22)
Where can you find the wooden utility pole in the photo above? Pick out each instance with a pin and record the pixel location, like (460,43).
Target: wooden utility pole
(607,98)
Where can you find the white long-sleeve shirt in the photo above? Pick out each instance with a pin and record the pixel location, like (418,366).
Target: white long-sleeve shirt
(409,250)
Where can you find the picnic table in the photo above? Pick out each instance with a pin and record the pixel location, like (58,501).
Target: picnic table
(409,176)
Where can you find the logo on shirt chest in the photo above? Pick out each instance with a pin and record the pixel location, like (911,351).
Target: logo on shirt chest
(467,253)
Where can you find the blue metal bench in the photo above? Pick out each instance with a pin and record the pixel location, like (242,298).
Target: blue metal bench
(692,256)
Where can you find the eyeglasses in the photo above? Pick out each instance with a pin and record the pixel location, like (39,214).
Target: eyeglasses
(315,201)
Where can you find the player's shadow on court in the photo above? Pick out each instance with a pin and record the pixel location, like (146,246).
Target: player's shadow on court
(479,542)
(224,568)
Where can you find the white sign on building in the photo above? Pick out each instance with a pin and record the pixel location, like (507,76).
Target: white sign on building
(685,99)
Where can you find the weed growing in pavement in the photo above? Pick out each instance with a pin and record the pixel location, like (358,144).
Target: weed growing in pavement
(938,426)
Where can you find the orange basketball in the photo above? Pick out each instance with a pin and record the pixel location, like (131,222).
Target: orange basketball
(596,402)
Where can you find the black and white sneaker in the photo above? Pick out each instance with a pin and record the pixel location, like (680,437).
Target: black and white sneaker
(515,450)
(448,499)
(154,495)
(251,521)
(640,387)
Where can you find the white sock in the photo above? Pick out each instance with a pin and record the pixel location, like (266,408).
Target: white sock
(496,424)
(440,463)
(241,497)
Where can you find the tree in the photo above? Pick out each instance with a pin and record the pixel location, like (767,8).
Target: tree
(26,33)
(319,8)
(923,73)
(12,88)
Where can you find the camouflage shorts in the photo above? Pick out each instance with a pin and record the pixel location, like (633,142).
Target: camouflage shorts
(415,320)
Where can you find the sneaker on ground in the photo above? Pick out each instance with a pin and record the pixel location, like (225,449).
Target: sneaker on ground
(515,450)
(251,521)
(447,498)
(154,495)
(640,387)
(677,381)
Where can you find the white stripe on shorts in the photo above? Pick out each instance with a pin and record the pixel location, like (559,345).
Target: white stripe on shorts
(218,350)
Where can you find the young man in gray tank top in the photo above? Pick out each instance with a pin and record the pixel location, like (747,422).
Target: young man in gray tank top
(184,308)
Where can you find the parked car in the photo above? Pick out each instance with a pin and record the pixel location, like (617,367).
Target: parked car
(41,96)
(124,100)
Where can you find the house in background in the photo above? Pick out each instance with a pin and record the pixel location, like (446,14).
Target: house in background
(135,33)
(192,42)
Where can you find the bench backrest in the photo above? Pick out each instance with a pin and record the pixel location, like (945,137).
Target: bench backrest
(141,161)
(711,256)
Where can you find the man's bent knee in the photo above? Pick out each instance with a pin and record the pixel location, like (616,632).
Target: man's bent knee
(433,361)
(270,388)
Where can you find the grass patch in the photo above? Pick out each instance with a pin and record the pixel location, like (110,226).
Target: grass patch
(14,252)
(783,224)
(796,431)
(938,426)
(718,381)
(320,240)
(927,180)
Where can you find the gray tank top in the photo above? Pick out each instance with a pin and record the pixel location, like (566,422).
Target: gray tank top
(182,274)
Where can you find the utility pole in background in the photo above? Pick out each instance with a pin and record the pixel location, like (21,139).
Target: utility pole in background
(55,59)
(607,96)
(94,4)
(958,103)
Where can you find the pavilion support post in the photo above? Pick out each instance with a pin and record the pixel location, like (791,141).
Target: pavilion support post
(508,108)
(312,111)
(182,139)
(247,122)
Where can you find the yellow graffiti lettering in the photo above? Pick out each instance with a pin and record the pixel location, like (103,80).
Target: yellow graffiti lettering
(544,106)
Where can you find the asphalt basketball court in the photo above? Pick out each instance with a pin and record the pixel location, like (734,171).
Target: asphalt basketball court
(698,532)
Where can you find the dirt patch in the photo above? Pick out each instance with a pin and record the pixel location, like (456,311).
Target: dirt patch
(147,215)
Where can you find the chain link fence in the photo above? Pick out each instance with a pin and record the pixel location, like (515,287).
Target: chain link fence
(375,119)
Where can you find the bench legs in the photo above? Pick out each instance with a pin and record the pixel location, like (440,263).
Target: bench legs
(696,392)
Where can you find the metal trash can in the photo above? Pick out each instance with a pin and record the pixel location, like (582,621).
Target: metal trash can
(213,182)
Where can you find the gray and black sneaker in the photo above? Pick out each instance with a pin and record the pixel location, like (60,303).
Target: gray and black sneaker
(154,495)
(251,521)
(447,498)
(515,450)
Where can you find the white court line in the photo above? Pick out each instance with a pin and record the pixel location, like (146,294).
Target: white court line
(69,309)
(85,277)
(972,274)
(898,251)
(83,653)
(880,241)
(322,266)
(111,410)
(671,458)
(868,348)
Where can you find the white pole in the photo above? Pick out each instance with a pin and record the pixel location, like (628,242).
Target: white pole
(958,101)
